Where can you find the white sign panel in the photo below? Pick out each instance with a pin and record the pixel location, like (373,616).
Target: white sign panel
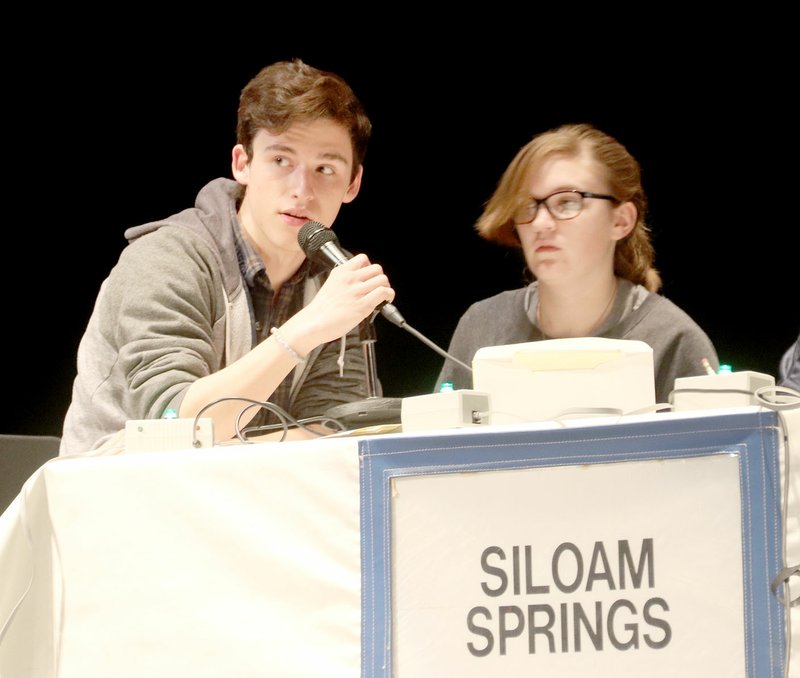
(619,569)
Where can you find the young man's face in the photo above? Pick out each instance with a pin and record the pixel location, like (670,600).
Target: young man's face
(298,176)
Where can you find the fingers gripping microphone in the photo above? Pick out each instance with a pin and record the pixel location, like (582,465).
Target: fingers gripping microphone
(321,244)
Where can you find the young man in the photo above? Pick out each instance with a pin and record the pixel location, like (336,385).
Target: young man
(219,301)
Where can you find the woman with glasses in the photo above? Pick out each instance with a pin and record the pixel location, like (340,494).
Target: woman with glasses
(572,201)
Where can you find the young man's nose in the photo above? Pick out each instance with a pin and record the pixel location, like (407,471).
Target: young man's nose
(301,182)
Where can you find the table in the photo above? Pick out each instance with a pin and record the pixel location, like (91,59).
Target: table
(329,557)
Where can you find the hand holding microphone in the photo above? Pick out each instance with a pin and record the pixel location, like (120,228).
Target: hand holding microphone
(321,244)
(350,295)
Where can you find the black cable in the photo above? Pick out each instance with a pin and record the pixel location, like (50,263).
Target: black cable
(286,420)
(436,348)
(298,423)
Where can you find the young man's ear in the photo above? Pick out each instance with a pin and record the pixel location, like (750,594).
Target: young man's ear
(354,187)
(240,165)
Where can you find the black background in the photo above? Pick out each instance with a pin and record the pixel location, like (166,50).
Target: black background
(108,134)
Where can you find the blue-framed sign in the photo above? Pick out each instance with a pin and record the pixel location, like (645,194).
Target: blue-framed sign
(639,548)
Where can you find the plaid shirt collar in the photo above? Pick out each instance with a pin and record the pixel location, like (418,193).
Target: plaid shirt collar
(252,266)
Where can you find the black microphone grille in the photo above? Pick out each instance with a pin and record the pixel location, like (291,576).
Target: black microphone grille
(313,235)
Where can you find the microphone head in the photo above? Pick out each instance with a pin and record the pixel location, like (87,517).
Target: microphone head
(312,236)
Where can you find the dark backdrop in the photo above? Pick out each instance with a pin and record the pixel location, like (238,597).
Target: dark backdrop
(128,133)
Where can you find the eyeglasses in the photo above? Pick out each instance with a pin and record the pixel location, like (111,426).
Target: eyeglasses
(562,205)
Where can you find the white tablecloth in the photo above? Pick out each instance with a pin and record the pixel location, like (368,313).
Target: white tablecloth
(231,561)
(238,561)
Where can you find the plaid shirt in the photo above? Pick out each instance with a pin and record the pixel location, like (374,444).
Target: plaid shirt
(270,309)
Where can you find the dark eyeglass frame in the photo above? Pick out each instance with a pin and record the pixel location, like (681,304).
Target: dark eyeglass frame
(583,194)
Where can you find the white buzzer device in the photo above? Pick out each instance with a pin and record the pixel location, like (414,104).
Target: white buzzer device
(551,379)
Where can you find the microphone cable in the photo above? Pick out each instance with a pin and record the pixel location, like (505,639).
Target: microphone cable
(402,323)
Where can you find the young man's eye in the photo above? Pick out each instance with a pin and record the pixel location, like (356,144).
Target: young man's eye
(326,169)
(281,161)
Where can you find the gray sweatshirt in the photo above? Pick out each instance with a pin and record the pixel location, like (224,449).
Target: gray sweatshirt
(678,343)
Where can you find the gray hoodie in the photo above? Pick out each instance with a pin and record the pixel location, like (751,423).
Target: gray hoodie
(174,309)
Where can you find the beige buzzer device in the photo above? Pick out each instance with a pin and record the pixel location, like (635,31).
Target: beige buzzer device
(558,378)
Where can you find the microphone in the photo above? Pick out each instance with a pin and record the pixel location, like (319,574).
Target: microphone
(321,244)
